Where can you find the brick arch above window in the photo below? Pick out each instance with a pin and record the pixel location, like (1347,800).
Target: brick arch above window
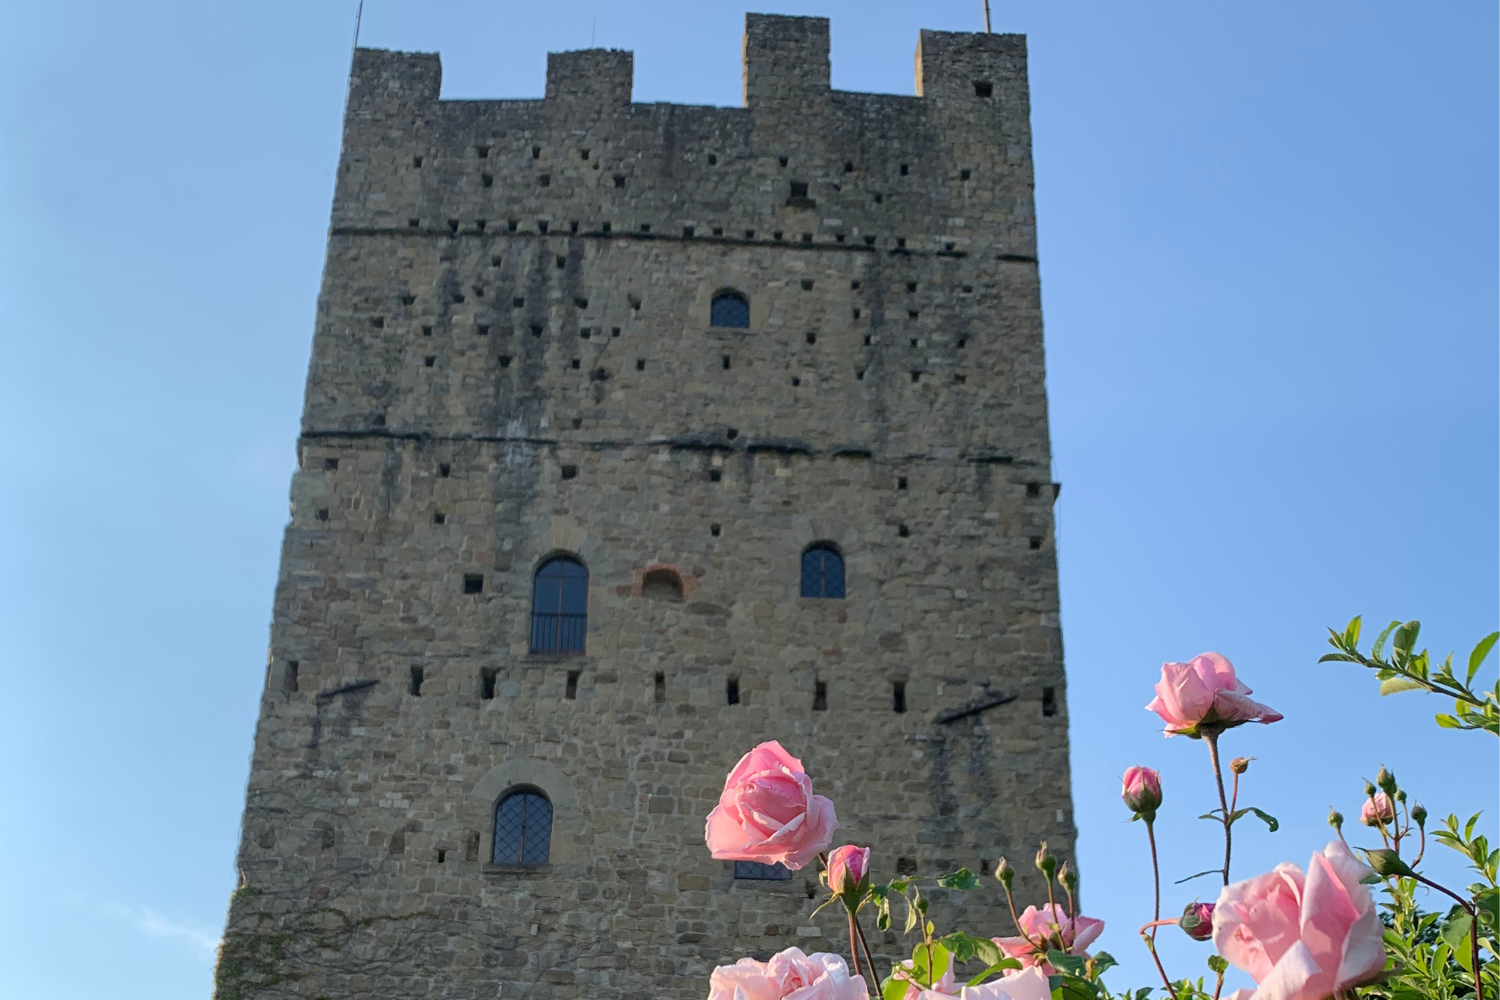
(688,581)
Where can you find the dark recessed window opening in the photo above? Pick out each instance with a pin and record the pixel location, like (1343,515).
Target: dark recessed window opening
(483,151)
(473,583)
(640,364)
(749,234)
(783,160)
(756,871)
(577,362)
(799,189)
(916,376)
(859,374)
(662,585)
(416,161)
(900,241)
(439,518)
(822,571)
(634,300)
(983,88)
(413,223)
(776,235)
(904,170)
(407,300)
(505,361)
(903,531)
(807,237)
(577,422)
(584,333)
(483,329)
(963,175)
(856,312)
(561,261)
(714,475)
(293,668)
(900,482)
(416,681)
(536,329)
(732,690)
(570,472)
(796,381)
(718,230)
(712,160)
(541,225)
(868,340)
(645,227)
(559,606)
(1049,701)
(659,684)
(487,677)
(619,180)
(963,342)
(517,302)
(732,433)
(914,341)
(879,199)
(571,691)
(523,829)
(536,152)
(378,322)
(1033,489)
(807,284)
(848,167)
(487,180)
(442,856)
(512,224)
(714,529)
(687,232)
(583,154)
(330,464)
(452,225)
(898,696)
(725,360)
(322,513)
(604,227)
(820,696)
(1035,541)
(812,338)
(614,331)
(444,470)
(581,302)
(911,314)
(378,420)
(572,227)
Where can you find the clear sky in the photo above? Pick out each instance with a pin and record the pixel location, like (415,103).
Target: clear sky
(1268,251)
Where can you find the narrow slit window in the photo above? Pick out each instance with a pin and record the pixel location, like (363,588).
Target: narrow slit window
(293,669)
(898,696)
(487,677)
(571,691)
(1049,701)
(659,686)
(820,696)
(416,681)
(732,690)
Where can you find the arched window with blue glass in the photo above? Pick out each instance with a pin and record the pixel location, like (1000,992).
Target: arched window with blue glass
(523,829)
(730,309)
(559,606)
(822,571)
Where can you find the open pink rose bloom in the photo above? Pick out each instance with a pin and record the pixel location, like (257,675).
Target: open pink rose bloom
(789,974)
(1050,929)
(1205,691)
(768,813)
(1303,937)
(1024,984)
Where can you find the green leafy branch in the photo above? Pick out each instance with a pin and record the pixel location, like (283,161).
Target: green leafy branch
(1408,670)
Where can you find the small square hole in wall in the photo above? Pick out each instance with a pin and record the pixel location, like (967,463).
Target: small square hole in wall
(517,302)
(413,223)
(487,677)
(416,161)
(859,374)
(963,342)
(570,692)
(1049,701)
(505,361)
(983,88)
(838,237)
(445,470)
(293,668)
(900,482)
(732,433)
(452,225)
(807,284)
(473,583)
(583,154)
(536,152)
(967,289)
(820,696)
(378,322)
(426,331)
(903,531)
(868,340)
(799,189)
(713,160)
(541,225)
(614,331)
(483,328)
(580,302)
(848,167)
(869,241)
(487,180)
(904,170)
(584,333)
(407,300)
(879,199)
(561,262)
(619,180)
(442,856)
(330,465)
(732,690)
(536,329)
(900,242)
(659,685)
(911,286)
(570,472)
(783,160)
(604,227)
(687,232)
(898,704)
(322,513)
(807,237)
(645,227)
(856,312)
(714,529)
(714,475)
(812,338)
(916,376)
(914,342)
(718,230)
(378,420)
(439,518)
(725,361)
(963,175)
(949,246)
(572,227)
(416,681)
(749,234)
(429,361)
(854,285)
(577,422)
(640,364)
(776,235)
(960,379)
(1033,489)
(1035,541)
(796,381)
(458,297)
(483,152)
(577,362)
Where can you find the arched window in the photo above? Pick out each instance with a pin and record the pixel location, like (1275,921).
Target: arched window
(730,309)
(822,571)
(559,606)
(523,829)
(662,585)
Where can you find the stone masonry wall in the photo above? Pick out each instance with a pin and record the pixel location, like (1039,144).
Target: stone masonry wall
(513,358)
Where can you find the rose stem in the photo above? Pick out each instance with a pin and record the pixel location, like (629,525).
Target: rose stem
(869,959)
(1473,929)
(853,949)
(1155,878)
(1151,947)
(1211,737)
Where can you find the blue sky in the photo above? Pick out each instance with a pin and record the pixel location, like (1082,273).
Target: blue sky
(1268,245)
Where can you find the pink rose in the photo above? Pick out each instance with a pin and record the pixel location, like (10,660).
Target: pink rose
(946,986)
(1377,810)
(1204,691)
(1303,937)
(1141,790)
(768,813)
(847,866)
(818,976)
(1022,984)
(1197,921)
(1050,929)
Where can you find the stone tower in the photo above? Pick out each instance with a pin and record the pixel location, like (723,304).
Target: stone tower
(681,353)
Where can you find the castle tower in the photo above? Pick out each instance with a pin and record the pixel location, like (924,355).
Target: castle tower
(636,435)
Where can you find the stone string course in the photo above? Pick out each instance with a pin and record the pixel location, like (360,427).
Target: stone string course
(513,359)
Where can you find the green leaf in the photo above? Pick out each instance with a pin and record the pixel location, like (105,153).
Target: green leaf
(1351,634)
(1143,993)
(1488,904)
(1398,684)
(1482,650)
(1405,638)
(1455,934)
(1377,650)
(1218,963)
(1448,722)
(1338,658)
(963,879)
(994,970)
(959,944)
(1103,962)
(894,989)
(989,953)
(1073,965)
(1271,824)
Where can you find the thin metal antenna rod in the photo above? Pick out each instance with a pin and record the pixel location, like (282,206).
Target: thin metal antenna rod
(359,16)
(987,29)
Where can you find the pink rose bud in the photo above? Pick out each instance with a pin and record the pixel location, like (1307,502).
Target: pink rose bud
(1204,692)
(768,813)
(1377,810)
(1141,790)
(1198,921)
(846,868)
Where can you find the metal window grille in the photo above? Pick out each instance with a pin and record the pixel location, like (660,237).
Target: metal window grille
(755,871)
(822,572)
(730,309)
(559,607)
(523,830)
